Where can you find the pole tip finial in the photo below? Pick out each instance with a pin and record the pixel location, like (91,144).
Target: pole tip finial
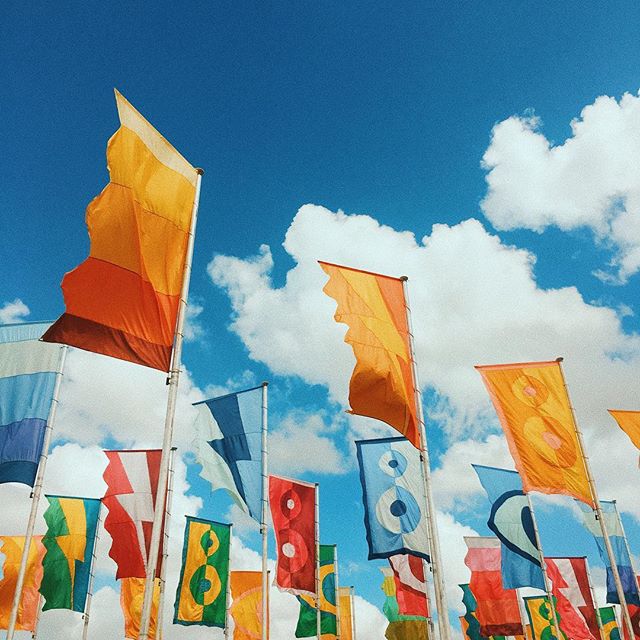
(265,383)
(199,171)
(560,359)
(404,278)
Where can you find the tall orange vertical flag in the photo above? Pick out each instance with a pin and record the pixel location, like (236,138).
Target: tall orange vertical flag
(533,407)
(122,301)
(374,308)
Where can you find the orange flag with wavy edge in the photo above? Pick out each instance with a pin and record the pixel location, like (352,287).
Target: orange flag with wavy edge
(131,599)
(246,606)
(629,422)
(382,383)
(533,407)
(345,599)
(12,547)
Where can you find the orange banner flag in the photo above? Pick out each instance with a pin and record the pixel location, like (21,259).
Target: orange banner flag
(131,599)
(246,606)
(12,547)
(346,613)
(122,301)
(374,308)
(533,407)
(629,422)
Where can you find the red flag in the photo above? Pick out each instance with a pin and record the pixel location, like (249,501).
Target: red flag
(411,586)
(498,611)
(132,485)
(573,597)
(293,510)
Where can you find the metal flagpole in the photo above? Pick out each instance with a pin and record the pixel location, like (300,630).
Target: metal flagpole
(263,517)
(599,516)
(174,377)
(593,598)
(432,526)
(426,570)
(626,544)
(353,614)
(165,546)
(543,566)
(318,616)
(35,494)
(94,555)
(337,591)
(228,594)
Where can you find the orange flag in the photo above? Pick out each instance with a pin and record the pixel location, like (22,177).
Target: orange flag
(629,422)
(131,599)
(12,547)
(246,608)
(374,308)
(534,410)
(122,301)
(346,613)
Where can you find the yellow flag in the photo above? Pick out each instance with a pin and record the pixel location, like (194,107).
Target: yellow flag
(12,547)
(246,607)
(534,410)
(629,422)
(540,617)
(131,599)
(346,613)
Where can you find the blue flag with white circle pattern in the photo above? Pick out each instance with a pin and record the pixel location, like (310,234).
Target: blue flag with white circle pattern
(393,496)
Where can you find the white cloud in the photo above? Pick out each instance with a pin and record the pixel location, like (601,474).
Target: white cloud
(590,180)
(15,311)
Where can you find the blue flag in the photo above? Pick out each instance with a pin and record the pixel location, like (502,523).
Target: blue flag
(510,519)
(620,550)
(27,380)
(228,445)
(393,496)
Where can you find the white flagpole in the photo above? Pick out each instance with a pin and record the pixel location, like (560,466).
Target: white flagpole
(34,633)
(353,614)
(94,555)
(227,604)
(318,616)
(263,518)
(35,494)
(174,377)
(337,591)
(165,547)
(599,516)
(434,546)
(593,600)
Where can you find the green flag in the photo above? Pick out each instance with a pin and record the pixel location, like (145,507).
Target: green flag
(610,627)
(307,618)
(202,591)
(69,541)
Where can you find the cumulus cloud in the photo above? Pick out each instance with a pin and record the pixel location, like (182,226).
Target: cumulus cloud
(15,311)
(590,180)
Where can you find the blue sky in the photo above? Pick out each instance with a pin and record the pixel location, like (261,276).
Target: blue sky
(370,108)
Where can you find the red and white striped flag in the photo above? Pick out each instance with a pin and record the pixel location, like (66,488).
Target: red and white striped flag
(411,585)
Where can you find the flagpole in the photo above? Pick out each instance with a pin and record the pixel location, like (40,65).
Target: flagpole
(434,546)
(543,566)
(426,570)
(228,590)
(337,590)
(174,377)
(599,516)
(34,633)
(353,614)
(593,598)
(36,493)
(318,617)
(263,518)
(94,555)
(165,546)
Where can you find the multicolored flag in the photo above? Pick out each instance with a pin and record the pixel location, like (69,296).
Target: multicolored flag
(69,541)
(393,496)
(374,308)
(534,410)
(328,613)
(400,627)
(610,629)
(541,619)
(471,626)
(122,301)
(132,486)
(620,551)
(293,511)
(511,520)
(12,547)
(411,585)
(345,605)
(572,593)
(27,380)
(202,590)
(228,445)
(246,605)
(131,599)
(629,422)
(497,608)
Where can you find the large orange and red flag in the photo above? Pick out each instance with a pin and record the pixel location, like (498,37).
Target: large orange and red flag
(122,301)
(533,406)
(382,383)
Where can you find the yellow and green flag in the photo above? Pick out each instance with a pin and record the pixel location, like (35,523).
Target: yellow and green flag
(69,541)
(610,629)
(541,618)
(202,591)
(328,613)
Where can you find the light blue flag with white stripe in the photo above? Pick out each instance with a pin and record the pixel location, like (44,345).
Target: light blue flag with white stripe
(228,445)
(27,380)
(510,519)
(393,496)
